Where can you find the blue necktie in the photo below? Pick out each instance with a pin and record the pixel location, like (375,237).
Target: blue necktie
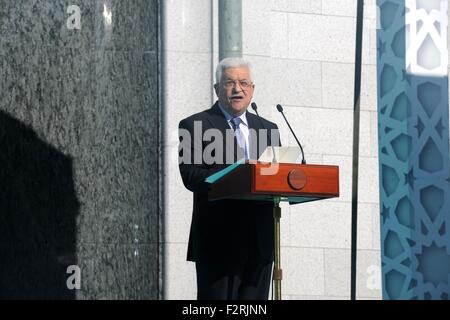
(235,122)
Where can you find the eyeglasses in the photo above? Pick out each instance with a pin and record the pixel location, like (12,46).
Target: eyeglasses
(244,84)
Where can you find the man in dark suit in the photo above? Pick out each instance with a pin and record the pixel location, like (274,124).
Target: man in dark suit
(231,241)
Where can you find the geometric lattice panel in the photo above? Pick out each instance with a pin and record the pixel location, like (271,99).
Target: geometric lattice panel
(413,123)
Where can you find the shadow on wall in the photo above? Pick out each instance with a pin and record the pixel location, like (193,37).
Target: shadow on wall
(38,207)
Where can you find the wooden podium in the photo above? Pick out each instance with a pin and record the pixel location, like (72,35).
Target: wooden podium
(275,182)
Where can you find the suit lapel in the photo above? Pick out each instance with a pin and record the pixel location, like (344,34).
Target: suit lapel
(217,119)
(255,124)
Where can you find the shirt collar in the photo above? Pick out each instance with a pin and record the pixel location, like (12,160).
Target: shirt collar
(228,116)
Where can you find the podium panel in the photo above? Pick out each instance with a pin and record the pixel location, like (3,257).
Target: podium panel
(291,182)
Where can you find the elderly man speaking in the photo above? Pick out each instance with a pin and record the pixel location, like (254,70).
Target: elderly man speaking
(230,241)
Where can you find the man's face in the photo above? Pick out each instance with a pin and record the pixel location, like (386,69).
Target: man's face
(235,90)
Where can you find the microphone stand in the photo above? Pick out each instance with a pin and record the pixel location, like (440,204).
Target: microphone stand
(280,109)
(255,108)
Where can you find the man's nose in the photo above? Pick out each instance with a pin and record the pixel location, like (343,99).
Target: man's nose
(236,88)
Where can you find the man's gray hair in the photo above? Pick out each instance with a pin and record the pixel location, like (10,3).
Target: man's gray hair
(233,62)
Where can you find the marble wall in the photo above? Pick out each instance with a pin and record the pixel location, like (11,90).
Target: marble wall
(79,151)
(187,37)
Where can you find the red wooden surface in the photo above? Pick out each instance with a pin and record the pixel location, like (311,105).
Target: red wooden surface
(321,180)
(251,181)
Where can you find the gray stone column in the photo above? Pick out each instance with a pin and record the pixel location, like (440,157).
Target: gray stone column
(79,149)
(230,28)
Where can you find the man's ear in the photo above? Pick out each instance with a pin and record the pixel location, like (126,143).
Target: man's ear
(216,88)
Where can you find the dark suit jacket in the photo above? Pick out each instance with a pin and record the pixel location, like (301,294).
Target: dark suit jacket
(225,229)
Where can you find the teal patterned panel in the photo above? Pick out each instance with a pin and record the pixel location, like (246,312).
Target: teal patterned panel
(413,134)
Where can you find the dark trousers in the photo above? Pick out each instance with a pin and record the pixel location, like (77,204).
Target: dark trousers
(239,279)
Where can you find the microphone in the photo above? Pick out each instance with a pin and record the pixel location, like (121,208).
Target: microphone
(280,109)
(255,108)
